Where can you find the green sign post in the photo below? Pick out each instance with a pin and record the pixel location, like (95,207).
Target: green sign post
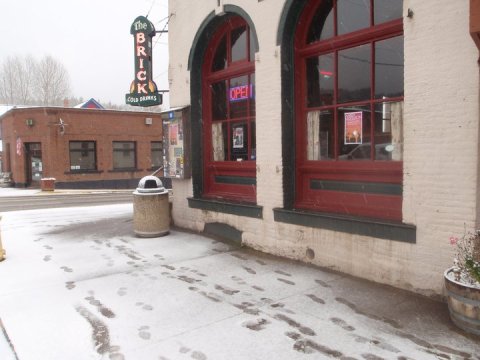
(143,90)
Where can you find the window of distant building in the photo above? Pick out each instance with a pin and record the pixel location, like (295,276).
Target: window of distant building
(349,108)
(124,155)
(83,156)
(156,148)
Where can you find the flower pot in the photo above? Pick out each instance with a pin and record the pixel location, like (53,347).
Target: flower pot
(463,303)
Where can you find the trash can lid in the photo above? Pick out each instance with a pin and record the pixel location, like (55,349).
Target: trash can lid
(150,184)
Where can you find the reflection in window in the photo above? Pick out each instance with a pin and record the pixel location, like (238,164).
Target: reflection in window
(320,80)
(386,10)
(239,44)
(156,154)
(252,46)
(219,100)
(220,58)
(82,155)
(389,67)
(354,74)
(322,23)
(124,155)
(352,15)
(252,95)
(253,141)
(389,131)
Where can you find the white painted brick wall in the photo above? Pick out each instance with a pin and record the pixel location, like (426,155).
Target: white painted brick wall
(440,153)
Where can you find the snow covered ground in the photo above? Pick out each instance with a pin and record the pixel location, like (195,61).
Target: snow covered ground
(77,284)
(10,191)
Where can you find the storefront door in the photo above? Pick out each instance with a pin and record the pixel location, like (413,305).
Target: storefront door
(34,164)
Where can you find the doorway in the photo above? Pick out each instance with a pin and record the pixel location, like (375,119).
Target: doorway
(34,166)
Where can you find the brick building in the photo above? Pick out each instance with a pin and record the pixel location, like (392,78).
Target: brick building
(80,148)
(339,133)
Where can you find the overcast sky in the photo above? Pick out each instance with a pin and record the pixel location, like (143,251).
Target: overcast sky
(91,38)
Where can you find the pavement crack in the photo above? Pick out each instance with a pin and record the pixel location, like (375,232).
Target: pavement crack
(7,338)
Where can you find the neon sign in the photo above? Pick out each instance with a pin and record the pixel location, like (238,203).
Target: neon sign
(239,93)
(143,90)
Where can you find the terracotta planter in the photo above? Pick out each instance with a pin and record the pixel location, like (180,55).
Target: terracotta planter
(463,303)
(47,184)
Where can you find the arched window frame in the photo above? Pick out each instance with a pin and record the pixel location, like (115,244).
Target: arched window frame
(361,188)
(229,179)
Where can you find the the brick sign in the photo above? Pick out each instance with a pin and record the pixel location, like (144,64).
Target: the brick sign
(475,21)
(143,90)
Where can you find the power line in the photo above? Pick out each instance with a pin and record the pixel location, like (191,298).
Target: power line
(151,7)
(163,30)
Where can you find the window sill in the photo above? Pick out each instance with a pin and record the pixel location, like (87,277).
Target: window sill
(73,172)
(382,229)
(124,170)
(253,211)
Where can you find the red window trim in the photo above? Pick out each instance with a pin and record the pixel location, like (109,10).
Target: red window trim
(389,172)
(212,169)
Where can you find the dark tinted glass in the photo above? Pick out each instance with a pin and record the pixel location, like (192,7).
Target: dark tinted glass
(253,143)
(252,47)
(322,23)
(320,80)
(219,100)
(252,95)
(239,44)
(220,58)
(389,67)
(386,10)
(354,74)
(352,15)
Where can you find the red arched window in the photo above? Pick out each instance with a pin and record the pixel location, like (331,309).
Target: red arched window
(349,108)
(229,114)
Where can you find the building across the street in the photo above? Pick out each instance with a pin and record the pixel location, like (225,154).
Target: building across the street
(340,133)
(80,148)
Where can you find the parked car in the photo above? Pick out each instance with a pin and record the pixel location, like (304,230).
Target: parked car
(362,152)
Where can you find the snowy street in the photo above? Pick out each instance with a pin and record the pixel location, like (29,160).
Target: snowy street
(77,284)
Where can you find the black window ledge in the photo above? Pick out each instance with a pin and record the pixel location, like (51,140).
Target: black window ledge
(248,210)
(382,229)
(83,172)
(124,170)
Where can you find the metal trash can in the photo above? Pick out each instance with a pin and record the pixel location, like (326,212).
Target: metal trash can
(151,208)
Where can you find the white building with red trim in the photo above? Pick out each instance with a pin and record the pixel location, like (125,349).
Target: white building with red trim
(339,133)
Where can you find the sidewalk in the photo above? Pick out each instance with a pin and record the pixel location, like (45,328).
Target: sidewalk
(10,191)
(77,284)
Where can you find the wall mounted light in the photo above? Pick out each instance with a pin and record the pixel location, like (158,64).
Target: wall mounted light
(29,122)
(61,125)
(410,13)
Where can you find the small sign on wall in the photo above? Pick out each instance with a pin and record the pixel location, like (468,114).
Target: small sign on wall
(353,127)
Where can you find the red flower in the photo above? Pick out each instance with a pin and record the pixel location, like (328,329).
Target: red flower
(453,240)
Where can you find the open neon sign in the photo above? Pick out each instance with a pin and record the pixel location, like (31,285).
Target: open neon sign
(239,93)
